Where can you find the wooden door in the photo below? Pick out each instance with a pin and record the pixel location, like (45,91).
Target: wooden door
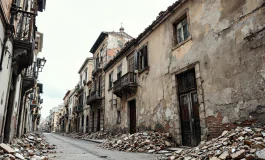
(132,109)
(98,120)
(87,124)
(93,121)
(189,108)
(131,64)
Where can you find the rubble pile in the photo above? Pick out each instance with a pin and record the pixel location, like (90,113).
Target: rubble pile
(148,142)
(31,146)
(240,143)
(97,135)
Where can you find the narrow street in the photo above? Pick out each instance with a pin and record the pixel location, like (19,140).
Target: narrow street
(70,149)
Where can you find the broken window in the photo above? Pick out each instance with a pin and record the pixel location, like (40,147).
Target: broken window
(119,71)
(181,30)
(118,117)
(143,58)
(110,80)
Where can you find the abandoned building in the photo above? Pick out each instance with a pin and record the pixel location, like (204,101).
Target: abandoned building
(194,72)
(105,48)
(197,70)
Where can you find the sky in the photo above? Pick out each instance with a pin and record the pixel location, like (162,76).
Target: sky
(71,27)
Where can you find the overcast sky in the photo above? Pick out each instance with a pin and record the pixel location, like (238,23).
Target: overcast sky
(70,29)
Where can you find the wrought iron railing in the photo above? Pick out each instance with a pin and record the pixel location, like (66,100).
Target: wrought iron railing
(95,95)
(78,108)
(96,68)
(127,79)
(25,26)
(30,72)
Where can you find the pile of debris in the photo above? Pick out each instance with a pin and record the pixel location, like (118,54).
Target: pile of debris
(97,135)
(240,143)
(148,142)
(30,146)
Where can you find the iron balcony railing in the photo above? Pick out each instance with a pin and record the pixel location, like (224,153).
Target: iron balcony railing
(129,79)
(30,72)
(78,108)
(94,96)
(25,26)
(97,68)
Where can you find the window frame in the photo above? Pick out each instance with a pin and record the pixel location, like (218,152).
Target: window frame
(175,23)
(118,117)
(110,80)
(139,58)
(119,66)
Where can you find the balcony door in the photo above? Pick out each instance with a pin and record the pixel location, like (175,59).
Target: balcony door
(131,64)
(119,71)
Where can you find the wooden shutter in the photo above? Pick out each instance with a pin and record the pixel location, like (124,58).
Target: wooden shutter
(136,60)
(145,56)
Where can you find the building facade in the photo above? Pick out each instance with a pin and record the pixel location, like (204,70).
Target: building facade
(198,71)
(19,66)
(105,48)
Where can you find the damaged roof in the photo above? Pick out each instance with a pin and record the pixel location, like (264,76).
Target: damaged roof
(162,16)
(102,37)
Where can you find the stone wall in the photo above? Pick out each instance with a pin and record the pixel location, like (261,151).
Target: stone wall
(227,50)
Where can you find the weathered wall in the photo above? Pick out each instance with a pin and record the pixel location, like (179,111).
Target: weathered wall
(5,76)
(110,109)
(230,67)
(15,112)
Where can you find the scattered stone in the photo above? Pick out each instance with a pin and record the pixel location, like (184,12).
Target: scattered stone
(6,148)
(261,154)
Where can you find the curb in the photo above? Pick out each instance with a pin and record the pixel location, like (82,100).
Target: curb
(90,140)
(95,141)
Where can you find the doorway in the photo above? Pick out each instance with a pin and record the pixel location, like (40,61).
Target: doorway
(8,121)
(98,120)
(132,113)
(93,121)
(87,124)
(189,108)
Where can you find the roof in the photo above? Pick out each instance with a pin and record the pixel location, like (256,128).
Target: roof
(102,37)
(84,64)
(66,94)
(160,18)
(120,54)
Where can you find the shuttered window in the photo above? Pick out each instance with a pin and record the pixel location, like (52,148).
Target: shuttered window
(143,58)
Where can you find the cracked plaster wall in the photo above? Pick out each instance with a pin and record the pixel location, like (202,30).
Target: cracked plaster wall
(231,67)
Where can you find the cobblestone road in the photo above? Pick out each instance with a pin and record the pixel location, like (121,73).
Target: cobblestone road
(76,149)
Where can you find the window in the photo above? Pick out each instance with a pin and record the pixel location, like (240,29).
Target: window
(131,64)
(110,80)
(143,58)
(118,117)
(181,30)
(119,71)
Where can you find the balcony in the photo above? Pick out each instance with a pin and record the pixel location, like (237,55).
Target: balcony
(97,68)
(28,78)
(93,97)
(78,108)
(125,84)
(24,40)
